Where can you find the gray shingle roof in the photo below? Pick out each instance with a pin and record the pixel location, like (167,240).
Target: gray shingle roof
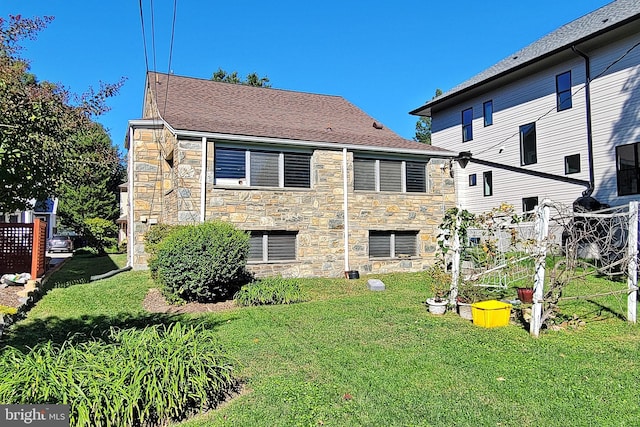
(191,104)
(599,21)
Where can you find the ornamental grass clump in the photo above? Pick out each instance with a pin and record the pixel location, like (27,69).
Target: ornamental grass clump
(270,290)
(132,377)
(204,262)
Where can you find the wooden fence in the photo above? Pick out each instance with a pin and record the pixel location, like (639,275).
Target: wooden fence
(23,248)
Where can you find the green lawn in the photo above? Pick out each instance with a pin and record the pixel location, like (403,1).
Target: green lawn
(353,357)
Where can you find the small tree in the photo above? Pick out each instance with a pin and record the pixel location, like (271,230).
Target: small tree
(100,233)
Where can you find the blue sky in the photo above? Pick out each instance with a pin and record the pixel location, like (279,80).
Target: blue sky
(386,57)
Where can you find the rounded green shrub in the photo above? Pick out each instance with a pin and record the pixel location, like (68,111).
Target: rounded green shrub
(152,239)
(156,234)
(204,262)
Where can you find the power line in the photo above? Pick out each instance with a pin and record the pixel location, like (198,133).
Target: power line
(173,28)
(153,38)
(144,39)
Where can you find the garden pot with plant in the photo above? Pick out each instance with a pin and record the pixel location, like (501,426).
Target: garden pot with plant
(525,295)
(440,285)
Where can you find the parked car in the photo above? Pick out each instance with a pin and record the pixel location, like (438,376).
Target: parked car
(60,243)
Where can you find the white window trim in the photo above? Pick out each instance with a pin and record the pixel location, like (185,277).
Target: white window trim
(247,162)
(403,176)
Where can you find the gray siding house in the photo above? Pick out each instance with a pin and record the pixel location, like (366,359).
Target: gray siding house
(565,109)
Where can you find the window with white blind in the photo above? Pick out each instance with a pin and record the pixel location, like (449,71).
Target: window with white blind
(239,166)
(389,175)
(267,246)
(393,244)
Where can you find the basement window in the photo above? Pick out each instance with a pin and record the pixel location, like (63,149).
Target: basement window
(265,246)
(393,244)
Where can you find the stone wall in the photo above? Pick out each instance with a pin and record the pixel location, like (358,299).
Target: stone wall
(151,185)
(316,214)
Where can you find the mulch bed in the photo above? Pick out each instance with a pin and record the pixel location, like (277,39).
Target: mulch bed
(8,296)
(155,302)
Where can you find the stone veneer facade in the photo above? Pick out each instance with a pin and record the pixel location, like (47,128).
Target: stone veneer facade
(169,191)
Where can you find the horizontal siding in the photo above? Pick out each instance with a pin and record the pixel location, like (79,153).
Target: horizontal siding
(616,107)
(616,114)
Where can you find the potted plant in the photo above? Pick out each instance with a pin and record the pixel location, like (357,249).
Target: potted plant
(525,295)
(468,293)
(440,285)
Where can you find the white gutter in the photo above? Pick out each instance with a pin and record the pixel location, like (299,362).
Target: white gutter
(130,224)
(203,180)
(313,144)
(346,211)
(292,142)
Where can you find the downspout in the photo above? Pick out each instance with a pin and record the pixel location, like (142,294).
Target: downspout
(130,224)
(203,180)
(587,98)
(346,211)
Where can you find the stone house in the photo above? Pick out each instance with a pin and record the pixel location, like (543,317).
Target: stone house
(322,187)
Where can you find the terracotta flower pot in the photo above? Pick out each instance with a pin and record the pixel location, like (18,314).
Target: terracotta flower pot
(525,295)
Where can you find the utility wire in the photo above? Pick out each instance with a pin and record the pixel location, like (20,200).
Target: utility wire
(173,29)
(153,38)
(144,39)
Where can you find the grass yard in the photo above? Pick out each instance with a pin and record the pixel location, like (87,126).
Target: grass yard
(354,357)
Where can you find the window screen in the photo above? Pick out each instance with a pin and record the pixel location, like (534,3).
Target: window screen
(416,177)
(379,244)
(364,174)
(272,246)
(229,163)
(264,169)
(297,170)
(391,175)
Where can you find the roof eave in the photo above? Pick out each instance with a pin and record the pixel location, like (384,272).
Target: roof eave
(313,144)
(427,107)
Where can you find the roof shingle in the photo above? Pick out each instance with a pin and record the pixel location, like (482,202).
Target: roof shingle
(192,104)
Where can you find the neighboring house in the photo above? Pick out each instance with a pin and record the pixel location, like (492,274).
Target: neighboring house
(565,108)
(122,220)
(322,187)
(45,210)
